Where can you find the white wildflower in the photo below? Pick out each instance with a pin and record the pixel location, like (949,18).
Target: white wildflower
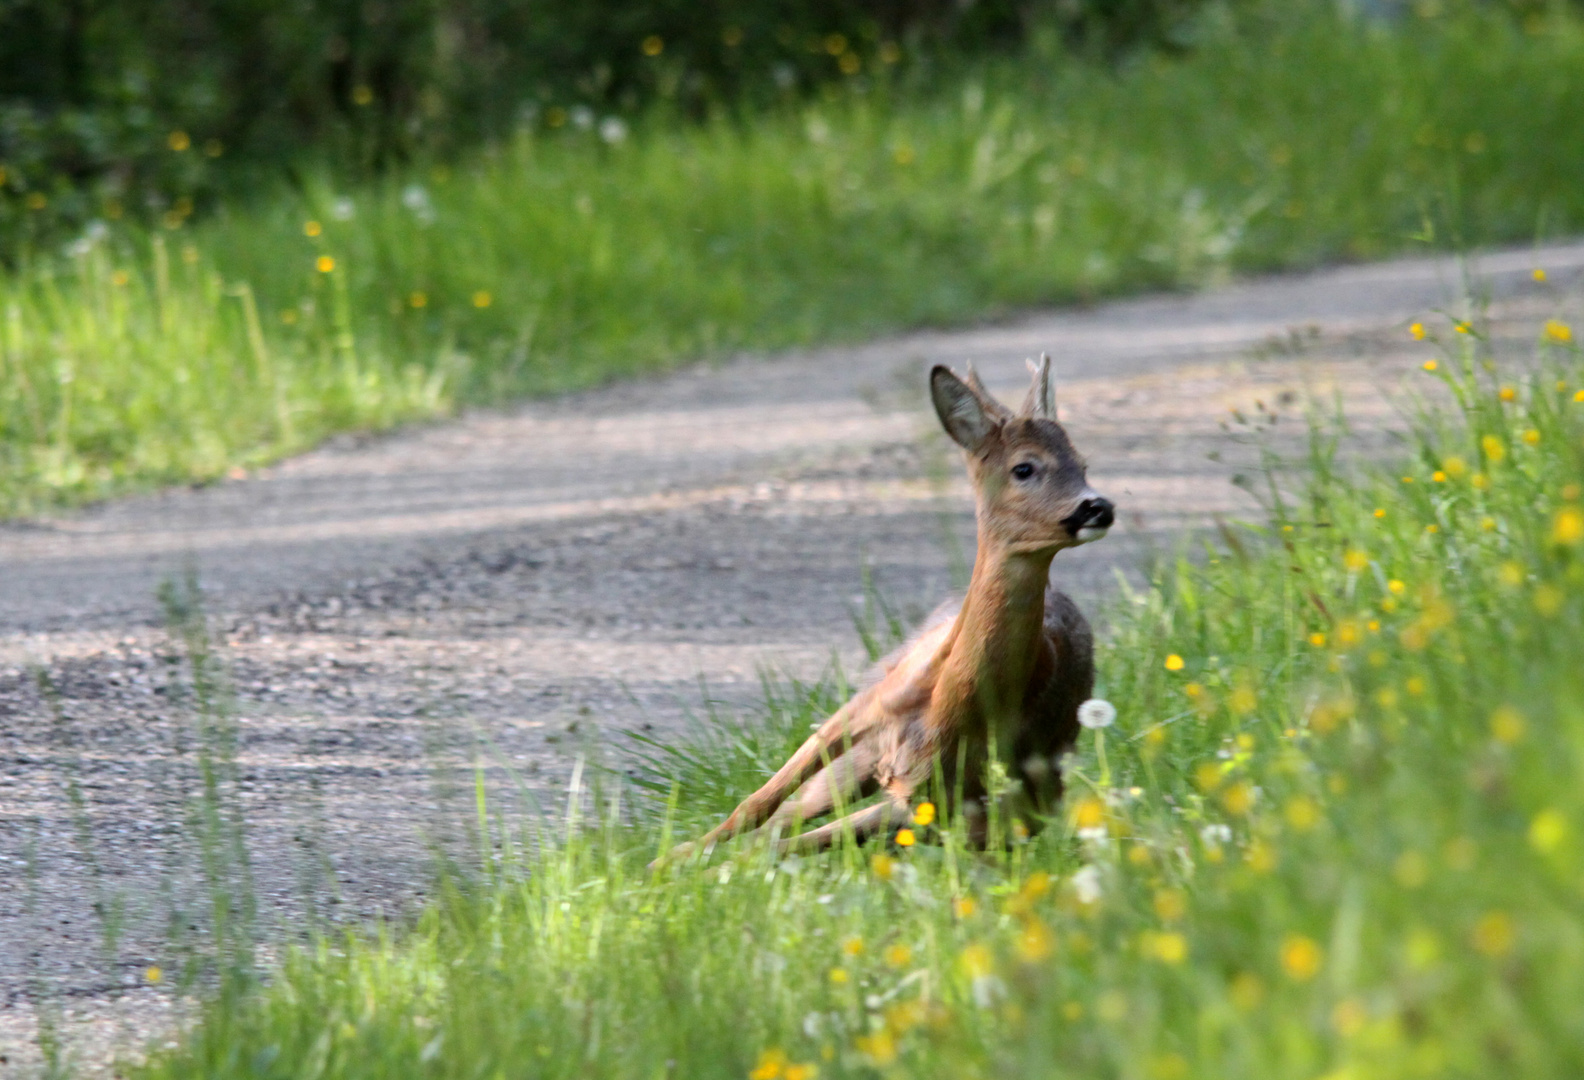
(1216,835)
(613,130)
(1086,884)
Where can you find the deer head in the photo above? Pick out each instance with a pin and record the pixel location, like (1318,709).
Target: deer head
(1031,492)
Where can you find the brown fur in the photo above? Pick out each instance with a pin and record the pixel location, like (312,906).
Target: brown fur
(1002,671)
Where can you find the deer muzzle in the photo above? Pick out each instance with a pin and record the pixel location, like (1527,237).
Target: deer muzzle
(1092,520)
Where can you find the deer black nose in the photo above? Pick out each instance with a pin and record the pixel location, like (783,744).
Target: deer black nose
(1095,513)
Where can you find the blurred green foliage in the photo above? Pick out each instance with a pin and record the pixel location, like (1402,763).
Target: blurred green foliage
(131,101)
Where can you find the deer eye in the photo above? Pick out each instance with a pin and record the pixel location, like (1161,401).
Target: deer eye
(1022,470)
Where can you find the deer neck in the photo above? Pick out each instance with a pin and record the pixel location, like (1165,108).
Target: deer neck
(998,631)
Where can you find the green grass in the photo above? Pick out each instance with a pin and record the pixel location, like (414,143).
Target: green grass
(1334,834)
(557,261)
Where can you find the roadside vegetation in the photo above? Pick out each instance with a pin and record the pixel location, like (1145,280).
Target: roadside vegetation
(1332,832)
(590,245)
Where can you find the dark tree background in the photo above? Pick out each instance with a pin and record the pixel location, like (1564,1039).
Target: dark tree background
(149,106)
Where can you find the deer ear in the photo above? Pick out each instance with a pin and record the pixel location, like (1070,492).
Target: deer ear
(1040,403)
(962,412)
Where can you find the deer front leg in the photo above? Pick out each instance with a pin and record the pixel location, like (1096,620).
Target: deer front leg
(861,825)
(835,737)
(848,779)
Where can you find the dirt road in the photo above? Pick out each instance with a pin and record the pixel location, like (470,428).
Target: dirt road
(523,584)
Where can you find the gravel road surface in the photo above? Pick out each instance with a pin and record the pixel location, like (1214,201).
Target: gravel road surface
(524,585)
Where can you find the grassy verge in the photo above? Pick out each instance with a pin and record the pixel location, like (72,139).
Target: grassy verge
(562,259)
(1333,833)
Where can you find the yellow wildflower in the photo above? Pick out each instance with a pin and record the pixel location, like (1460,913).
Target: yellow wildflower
(883,866)
(1430,365)
(153,973)
(897,955)
(1238,798)
(1035,942)
(839,976)
(1174,662)
(482,299)
(1507,724)
(905,838)
(1207,775)
(1170,905)
(977,961)
(1547,831)
(178,141)
(1494,450)
(1301,957)
(772,1066)
(963,906)
(1531,437)
(1243,700)
(1317,639)
(1302,813)
(1089,814)
(1494,934)
(1380,511)
(853,946)
(324,264)
(1417,331)
(1355,559)
(1539,274)
(924,814)
(1169,948)
(1559,332)
(1568,526)
(879,1048)
(312,228)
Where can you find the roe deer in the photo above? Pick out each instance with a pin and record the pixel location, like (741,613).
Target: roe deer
(1000,672)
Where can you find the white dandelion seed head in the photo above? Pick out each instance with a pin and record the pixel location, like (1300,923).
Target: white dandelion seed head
(1097,713)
